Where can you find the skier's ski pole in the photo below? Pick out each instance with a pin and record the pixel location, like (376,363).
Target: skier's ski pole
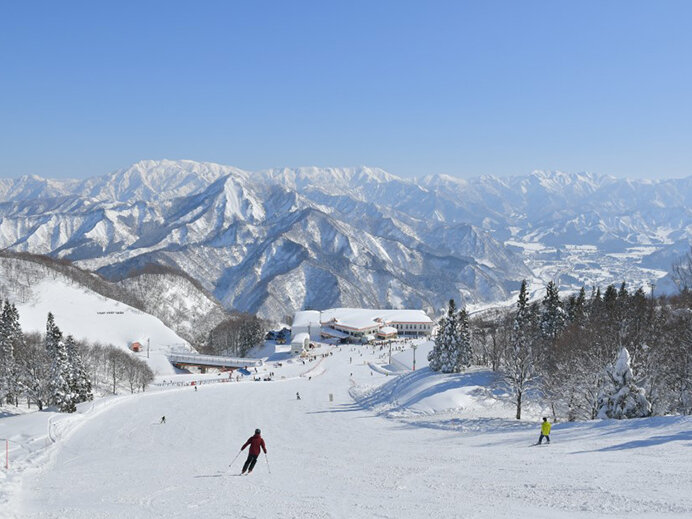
(236,457)
(267,459)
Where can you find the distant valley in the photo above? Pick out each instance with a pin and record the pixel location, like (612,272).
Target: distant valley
(272,242)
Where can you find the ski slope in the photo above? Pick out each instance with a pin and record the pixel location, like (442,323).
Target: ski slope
(87,315)
(343,458)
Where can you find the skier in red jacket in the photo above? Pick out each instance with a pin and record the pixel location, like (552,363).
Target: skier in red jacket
(255,442)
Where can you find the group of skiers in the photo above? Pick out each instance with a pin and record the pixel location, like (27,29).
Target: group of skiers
(256,443)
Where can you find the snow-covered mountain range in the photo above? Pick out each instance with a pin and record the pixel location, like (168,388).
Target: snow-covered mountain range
(279,240)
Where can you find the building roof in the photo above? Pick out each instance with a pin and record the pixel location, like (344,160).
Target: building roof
(387,330)
(331,332)
(306,318)
(361,318)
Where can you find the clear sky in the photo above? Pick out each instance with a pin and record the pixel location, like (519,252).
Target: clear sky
(461,88)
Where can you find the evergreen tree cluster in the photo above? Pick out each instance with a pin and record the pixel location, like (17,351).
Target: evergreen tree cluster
(616,354)
(54,370)
(452,351)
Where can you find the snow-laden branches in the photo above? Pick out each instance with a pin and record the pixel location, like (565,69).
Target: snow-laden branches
(567,349)
(52,370)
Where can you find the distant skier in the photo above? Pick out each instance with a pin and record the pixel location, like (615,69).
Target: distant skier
(163,419)
(297,395)
(255,442)
(545,431)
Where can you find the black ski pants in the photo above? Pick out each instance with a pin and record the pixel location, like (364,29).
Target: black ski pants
(250,462)
(540,438)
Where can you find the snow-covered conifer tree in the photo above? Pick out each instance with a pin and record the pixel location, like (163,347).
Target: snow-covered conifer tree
(438,355)
(576,310)
(61,393)
(11,338)
(552,314)
(620,397)
(465,350)
(6,354)
(53,335)
(452,351)
(78,380)
(450,354)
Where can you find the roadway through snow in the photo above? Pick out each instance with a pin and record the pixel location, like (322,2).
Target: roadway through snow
(336,460)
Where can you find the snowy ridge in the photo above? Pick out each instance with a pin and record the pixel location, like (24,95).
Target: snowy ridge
(263,242)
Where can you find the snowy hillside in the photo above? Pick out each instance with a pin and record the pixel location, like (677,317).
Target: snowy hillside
(88,316)
(275,241)
(84,314)
(330,457)
(169,295)
(177,301)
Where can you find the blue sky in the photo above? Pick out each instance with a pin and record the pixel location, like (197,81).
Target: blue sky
(461,88)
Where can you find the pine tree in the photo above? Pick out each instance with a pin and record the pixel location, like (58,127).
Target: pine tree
(620,397)
(465,356)
(78,379)
(61,393)
(11,339)
(577,309)
(435,355)
(452,351)
(53,335)
(442,357)
(6,353)
(552,315)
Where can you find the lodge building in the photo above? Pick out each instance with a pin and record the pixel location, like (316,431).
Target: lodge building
(361,325)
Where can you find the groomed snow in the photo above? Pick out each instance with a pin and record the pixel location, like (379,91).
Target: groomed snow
(331,456)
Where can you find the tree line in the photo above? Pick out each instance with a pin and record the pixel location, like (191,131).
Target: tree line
(57,370)
(235,335)
(611,354)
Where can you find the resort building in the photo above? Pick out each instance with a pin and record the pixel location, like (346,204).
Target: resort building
(307,321)
(300,343)
(362,325)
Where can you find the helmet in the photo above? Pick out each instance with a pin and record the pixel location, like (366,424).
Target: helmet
(257,431)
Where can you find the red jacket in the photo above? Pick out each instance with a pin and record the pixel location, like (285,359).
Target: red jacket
(255,442)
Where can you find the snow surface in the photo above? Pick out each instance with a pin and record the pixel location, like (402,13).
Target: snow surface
(418,445)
